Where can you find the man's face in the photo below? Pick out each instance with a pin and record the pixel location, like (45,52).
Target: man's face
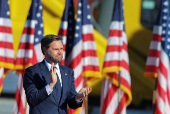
(55,52)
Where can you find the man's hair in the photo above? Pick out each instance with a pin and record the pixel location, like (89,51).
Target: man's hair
(46,40)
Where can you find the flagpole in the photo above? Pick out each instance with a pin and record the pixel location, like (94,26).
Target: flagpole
(154,96)
(119,90)
(26,106)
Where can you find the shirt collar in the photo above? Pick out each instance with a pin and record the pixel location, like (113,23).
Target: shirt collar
(49,65)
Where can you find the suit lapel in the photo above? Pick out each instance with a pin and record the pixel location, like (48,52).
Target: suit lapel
(45,72)
(64,83)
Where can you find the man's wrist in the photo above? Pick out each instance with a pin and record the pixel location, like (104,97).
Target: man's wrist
(51,85)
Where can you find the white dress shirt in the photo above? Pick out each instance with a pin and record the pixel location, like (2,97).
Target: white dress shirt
(58,73)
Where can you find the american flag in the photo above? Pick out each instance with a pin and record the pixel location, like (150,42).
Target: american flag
(6,41)
(64,26)
(29,51)
(158,60)
(83,58)
(116,59)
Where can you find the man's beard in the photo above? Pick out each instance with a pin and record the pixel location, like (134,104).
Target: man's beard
(53,59)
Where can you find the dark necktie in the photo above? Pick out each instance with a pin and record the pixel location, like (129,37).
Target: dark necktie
(58,86)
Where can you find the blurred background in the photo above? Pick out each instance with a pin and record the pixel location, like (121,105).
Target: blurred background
(139,15)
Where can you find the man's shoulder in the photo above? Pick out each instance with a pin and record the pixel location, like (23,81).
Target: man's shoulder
(35,66)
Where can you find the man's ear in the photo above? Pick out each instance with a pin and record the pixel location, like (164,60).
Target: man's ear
(44,50)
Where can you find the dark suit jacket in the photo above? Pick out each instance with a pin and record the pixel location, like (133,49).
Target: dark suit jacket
(36,78)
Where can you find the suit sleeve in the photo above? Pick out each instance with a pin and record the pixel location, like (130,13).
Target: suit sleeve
(33,94)
(72,102)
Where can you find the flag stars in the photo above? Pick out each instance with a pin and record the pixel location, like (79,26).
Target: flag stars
(77,27)
(36,39)
(165,10)
(38,14)
(76,35)
(8,13)
(36,22)
(78,20)
(39,32)
(164,17)
(80,4)
(41,25)
(40,7)
(168,39)
(169,32)
(88,7)
(88,17)
(8,2)
(163,39)
(79,11)
(165,3)
(164,25)
(168,46)
(163,32)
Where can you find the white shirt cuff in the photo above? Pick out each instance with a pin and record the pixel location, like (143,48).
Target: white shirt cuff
(49,91)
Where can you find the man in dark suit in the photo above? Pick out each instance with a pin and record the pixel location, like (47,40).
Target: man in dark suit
(49,86)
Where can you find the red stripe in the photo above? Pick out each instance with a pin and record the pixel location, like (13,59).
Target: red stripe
(154,53)
(151,68)
(124,47)
(156,37)
(91,68)
(114,48)
(28,30)
(123,81)
(5,29)
(6,59)
(122,104)
(62,32)
(1,81)
(76,61)
(7,45)
(91,53)
(163,70)
(112,63)
(78,81)
(19,102)
(117,33)
(168,95)
(161,91)
(26,46)
(88,37)
(109,96)
(62,62)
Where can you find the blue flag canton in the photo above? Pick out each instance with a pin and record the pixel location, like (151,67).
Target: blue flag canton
(35,14)
(71,29)
(66,10)
(83,18)
(165,41)
(118,11)
(4,9)
(39,23)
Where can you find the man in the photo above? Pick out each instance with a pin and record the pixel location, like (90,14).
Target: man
(48,85)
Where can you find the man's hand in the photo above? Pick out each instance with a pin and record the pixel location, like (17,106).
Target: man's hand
(83,92)
(53,77)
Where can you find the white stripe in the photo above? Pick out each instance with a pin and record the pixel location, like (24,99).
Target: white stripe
(157,30)
(160,103)
(90,61)
(7,52)
(30,23)
(89,45)
(154,61)
(112,56)
(64,40)
(75,51)
(5,22)
(15,108)
(116,25)
(26,38)
(125,56)
(63,25)
(80,86)
(78,70)
(88,28)
(64,55)
(164,58)
(155,45)
(124,38)
(38,52)
(22,53)
(162,81)
(1,72)
(125,74)
(114,41)
(113,104)
(6,37)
